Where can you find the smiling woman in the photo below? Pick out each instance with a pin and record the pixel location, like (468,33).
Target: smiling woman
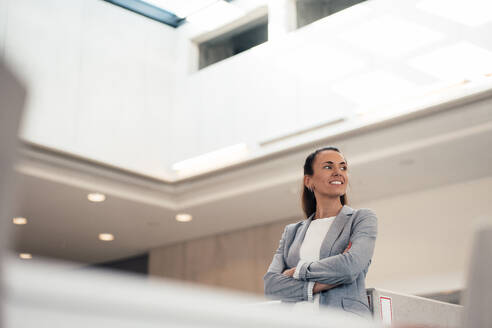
(329,159)
(323,260)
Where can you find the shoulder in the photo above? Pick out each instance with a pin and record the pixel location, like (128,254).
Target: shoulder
(292,228)
(365,215)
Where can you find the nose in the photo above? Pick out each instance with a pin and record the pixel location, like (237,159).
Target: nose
(336,171)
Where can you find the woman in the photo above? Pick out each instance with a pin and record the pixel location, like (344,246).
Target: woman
(323,260)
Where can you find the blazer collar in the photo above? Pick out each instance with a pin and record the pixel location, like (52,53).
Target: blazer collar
(331,236)
(335,230)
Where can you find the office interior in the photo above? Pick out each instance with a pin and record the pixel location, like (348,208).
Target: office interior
(166,139)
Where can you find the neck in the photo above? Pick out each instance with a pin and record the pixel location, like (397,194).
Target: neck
(327,207)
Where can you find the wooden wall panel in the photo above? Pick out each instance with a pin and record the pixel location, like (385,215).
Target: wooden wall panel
(201,261)
(168,262)
(235,260)
(236,255)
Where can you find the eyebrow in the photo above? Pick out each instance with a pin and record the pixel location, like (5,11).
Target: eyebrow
(330,162)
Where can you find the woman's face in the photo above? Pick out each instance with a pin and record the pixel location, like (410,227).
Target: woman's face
(330,176)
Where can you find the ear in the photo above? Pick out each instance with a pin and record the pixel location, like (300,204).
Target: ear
(307,181)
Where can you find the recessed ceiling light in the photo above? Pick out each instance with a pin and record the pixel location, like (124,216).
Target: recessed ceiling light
(96,197)
(183,217)
(19,220)
(25,256)
(106,236)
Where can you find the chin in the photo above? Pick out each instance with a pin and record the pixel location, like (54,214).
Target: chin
(331,195)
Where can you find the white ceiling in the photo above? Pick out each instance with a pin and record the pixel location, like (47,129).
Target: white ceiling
(439,145)
(358,59)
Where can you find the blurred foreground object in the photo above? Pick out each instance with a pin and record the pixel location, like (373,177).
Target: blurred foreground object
(12,96)
(43,294)
(478,296)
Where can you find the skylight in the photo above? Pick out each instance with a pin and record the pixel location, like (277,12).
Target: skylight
(182,8)
(170,12)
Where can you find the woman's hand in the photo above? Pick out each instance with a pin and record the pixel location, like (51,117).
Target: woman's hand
(289,272)
(348,247)
(319,287)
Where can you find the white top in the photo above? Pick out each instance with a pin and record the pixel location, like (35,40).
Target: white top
(309,252)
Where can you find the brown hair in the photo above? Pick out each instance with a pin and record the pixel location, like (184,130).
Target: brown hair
(308,198)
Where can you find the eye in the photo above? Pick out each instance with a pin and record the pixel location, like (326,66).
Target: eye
(327,166)
(344,168)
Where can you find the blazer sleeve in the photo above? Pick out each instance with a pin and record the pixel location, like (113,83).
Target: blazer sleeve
(279,286)
(345,268)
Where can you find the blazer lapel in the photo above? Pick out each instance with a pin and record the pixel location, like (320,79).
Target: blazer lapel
(335,230)
(298,238)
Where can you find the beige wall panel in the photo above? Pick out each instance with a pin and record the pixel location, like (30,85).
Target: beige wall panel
(268,238)
(168,262)
(201,261)
(236,255)
(263,254)
(236,260)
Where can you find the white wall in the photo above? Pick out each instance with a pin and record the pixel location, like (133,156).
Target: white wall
(119,88)
(100,79)
(116,87)
(424,239)
(273,89)
(340,65)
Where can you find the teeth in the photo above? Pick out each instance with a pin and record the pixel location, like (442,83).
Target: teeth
(335,182)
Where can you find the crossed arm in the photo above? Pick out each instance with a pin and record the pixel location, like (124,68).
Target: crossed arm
(318,287)
(325,273)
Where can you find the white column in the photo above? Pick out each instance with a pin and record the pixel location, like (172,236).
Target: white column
(11,102)
(281,18)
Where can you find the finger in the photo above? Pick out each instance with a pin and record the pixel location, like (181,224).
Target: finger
(348,247)
(288,272)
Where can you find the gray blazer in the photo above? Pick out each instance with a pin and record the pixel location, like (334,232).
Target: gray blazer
(348,270)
